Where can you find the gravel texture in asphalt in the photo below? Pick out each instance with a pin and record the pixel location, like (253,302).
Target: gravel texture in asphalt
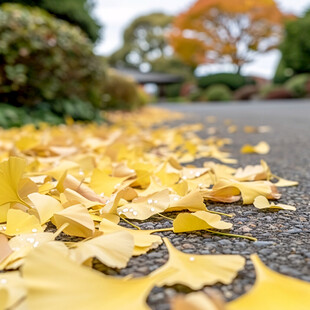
(284,236)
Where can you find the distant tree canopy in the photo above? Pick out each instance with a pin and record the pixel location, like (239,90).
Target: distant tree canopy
(145,46)
(221,31)
(76,12)
(296,45)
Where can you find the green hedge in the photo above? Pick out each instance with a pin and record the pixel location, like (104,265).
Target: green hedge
(231,80)
(122,92)
(297,85)
(218,93)
(45,59)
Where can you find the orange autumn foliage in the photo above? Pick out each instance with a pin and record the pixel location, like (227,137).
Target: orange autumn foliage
(221,31)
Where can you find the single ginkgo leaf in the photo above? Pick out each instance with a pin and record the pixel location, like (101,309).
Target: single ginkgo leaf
(261,148)
(4,212)
(74,197)
(11,172)
(262,203)
(249,190)
(283,182)
(113,250)
(191,202)
(44,206)
(102,183)
(272,291)
(143,239)
(197,301)
(22,245)
(251,173)
(144,207)
(14,285)
(196,271)
(53,279)
(20,222)
(79,220)
(199,220)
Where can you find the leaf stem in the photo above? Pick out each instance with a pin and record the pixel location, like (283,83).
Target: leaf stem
(231,235)
(125,220)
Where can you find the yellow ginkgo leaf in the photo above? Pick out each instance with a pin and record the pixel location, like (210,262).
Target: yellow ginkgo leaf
(143,239)
(167,174)
(53,279)
(22,245)
(261,148)
(14,286)
(192,202)
(197,301)
(272,291)
(144,207)
(262,203)
(20,222)
(79,220)
(11,172)
(113,250)
(4,211)
(199,220)
(74,197)
(249,190)
(251,173)
(195,271)
(64,166)
(44,206)
(283,182)
(103,184)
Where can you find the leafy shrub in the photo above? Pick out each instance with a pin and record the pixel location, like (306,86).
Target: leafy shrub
(52,113)
(45,59)
(283,73)
(246,92)
(76,12)
(296,45)
(297,85)
(121,92)
(231,80)
(218,93)
(273,91)
(173,90)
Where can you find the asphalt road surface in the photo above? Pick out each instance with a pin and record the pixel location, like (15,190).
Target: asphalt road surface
(283,237)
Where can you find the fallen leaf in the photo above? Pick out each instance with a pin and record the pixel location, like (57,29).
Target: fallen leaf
(195,271)
(53,279)
(79,220)
(143,239)
(20,222)
(199,220)
(261,148)
(262,203)
(113,250)
(272,291)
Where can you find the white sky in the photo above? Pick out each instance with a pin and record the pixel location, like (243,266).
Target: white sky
(116,15)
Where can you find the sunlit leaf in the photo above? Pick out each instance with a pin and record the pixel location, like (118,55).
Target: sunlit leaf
(261,148)
(262,203)
(195,271)
(272,291)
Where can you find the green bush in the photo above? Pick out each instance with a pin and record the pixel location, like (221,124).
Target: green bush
(283,73)
(122,92)
(45,59)
(298,84)
(231,80)
(296,45)
(218,93)
(76,12)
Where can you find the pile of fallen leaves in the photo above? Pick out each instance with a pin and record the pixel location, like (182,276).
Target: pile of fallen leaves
(87,181)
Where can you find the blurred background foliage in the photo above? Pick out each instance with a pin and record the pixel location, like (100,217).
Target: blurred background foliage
(49,71)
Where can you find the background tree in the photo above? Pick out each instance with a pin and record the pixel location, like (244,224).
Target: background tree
(146,48)
(296,46)
(77,12)
(221,31)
